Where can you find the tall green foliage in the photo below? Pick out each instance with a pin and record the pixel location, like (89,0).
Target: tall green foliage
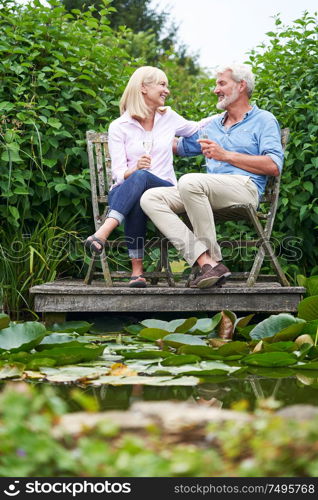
(287,85)
(61,75)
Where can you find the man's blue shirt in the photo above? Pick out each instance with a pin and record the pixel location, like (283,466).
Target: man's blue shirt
(257,134)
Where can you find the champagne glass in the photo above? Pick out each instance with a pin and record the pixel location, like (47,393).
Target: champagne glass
(147,142)
(203,135)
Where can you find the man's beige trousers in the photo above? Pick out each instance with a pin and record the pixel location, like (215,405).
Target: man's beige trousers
(198,195)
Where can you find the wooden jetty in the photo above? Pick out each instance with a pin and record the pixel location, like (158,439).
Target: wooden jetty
(65,296)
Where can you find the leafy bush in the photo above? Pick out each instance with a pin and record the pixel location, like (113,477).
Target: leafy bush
(62,74)
(286,76)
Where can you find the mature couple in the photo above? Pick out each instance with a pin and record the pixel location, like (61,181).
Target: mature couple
(242,146)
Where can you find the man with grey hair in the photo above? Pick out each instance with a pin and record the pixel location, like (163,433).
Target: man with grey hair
(243,147)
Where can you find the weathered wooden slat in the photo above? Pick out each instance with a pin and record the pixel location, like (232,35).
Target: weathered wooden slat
(73,296)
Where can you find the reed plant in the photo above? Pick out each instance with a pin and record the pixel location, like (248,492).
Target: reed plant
(32,255)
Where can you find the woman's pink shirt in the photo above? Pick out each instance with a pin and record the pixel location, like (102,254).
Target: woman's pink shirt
(125,140)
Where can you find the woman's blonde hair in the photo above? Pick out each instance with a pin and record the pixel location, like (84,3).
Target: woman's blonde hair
(132,99)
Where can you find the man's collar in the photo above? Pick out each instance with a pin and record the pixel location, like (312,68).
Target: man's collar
(223,116)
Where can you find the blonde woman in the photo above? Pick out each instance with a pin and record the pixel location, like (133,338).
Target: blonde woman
(140,146)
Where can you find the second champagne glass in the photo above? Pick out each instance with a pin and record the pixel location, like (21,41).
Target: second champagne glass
(203,135)
(147,142)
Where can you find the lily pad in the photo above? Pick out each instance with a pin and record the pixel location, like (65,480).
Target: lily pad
(204,368)
(231,348)
(21,336)
(205,325)
(69,355)
(281,326)
(177,339)
(311,285)
(144,380)
(200,350)
(146,354)
(243,322)
(11,370)
(133,329)
(152,333)
(4,321)
(35,363)
(72,326)
(59,340)
(73,373)
(268,359)
(311,365)
(160,324)
(181,359)
(311,328)
(308,308)
(186,325)
(279,347)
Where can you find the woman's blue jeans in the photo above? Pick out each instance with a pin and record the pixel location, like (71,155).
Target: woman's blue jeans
(124,204)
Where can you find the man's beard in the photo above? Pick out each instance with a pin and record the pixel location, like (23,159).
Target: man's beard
(227,100)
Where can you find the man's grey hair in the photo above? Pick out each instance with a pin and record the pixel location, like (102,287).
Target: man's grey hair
(239,72)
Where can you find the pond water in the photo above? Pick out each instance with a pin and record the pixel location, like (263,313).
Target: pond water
(230,393)
(240,386)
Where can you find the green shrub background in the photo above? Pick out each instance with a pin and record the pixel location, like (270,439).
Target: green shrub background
(62,73)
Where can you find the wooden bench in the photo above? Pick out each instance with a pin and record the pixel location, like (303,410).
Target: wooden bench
(262,220)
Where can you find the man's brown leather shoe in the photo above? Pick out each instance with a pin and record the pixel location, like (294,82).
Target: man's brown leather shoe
(210,276)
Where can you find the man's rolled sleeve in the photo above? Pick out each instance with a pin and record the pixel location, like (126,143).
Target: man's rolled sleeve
(270,142)
(188,146)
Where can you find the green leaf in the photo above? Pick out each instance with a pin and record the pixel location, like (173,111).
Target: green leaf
(4,321)
(200,350)
(243,322)
(152,333)
(133,329)
(308,308)
(69,355)
(311,327)
(205,325)
(14,212)
(177,339)
(156,323)
(231,348)
(308,185)
(270,359)
(59,340)
(22,336)
(312,285)
(279,347)
(72,326)
(282,326)
(181,359)
(53,122)
(186,326)
(145,354)
(312,365)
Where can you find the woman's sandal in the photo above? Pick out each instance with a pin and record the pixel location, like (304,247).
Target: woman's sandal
(136,283)
(92,247)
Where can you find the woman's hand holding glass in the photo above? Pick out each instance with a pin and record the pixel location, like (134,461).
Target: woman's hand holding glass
(144,162)
(147,143)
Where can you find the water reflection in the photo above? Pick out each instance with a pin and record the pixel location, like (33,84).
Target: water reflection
(223,393)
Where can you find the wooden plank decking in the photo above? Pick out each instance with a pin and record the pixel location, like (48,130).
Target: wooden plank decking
(73,296)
